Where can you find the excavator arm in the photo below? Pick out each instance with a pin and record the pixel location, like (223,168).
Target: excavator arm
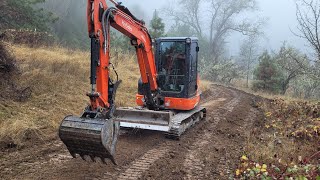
(100,19)
(95,133)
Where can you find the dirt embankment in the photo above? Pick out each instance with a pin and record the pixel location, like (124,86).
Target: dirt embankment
(9,77)
(210,150)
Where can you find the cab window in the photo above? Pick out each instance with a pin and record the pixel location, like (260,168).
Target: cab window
(172,69)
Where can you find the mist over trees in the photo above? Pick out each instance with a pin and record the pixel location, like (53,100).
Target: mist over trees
(308,18)
(213,22)
(248,56)
(276,72)
(71,28)
(24,14)
(157,27)
(285,70)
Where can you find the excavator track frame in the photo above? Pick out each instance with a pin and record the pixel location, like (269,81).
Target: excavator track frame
(183,121)
(173,123)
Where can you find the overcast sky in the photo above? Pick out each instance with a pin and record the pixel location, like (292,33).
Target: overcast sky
(280,13)
(282,18)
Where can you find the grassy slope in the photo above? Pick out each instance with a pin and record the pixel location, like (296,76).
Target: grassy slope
(59,79)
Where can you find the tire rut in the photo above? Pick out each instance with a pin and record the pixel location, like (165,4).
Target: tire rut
(141,165)
(192,164)
(225,163)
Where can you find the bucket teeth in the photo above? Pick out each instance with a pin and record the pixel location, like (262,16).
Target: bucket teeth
(74,155)
(92,158)
(113,161)
(103,160)
(89,138)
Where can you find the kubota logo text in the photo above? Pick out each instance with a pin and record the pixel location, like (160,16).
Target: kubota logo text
(127,26)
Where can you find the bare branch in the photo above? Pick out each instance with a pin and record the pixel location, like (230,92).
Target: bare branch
(308,18)
(215,20)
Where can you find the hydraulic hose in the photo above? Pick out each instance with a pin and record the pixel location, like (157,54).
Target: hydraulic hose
(106,17)
(105,28)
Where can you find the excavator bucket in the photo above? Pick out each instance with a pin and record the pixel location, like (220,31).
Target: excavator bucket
(90,137)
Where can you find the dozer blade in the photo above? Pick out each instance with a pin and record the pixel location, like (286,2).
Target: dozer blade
(172,123)
(90,137)
(142,118)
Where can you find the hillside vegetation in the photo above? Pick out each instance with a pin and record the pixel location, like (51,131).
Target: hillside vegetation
(285,144)
(58,79)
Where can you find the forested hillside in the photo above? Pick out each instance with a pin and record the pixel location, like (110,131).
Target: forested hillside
(22,14)
(71,28)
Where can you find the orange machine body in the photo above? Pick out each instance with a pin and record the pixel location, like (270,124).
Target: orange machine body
(140,38)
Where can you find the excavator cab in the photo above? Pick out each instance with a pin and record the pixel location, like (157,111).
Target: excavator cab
(176,61)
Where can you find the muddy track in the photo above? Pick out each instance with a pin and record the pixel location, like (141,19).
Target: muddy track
(208,151)
(138,167)
(192,164)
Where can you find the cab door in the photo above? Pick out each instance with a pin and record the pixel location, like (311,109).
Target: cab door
(193,70)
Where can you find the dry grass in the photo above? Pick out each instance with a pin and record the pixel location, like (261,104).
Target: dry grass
(288,97)
(128,70)
(59,79)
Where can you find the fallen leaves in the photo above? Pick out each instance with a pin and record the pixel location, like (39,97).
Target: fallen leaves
(249,169)
(299,120)
(244,158)
(287,125)
(268,114)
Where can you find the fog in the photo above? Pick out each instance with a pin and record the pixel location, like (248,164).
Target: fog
(280,15)
(280,18)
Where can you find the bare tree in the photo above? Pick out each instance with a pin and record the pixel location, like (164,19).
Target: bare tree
(188,13)
(214,20)
(308,17)
(248,55)
(292,64)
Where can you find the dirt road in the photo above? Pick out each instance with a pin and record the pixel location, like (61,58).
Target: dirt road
(210,150)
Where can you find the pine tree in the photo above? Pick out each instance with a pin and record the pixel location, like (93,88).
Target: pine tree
(23,14)
(157,26)
(268,75)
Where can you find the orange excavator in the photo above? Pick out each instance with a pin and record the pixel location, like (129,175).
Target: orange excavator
(168,92)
